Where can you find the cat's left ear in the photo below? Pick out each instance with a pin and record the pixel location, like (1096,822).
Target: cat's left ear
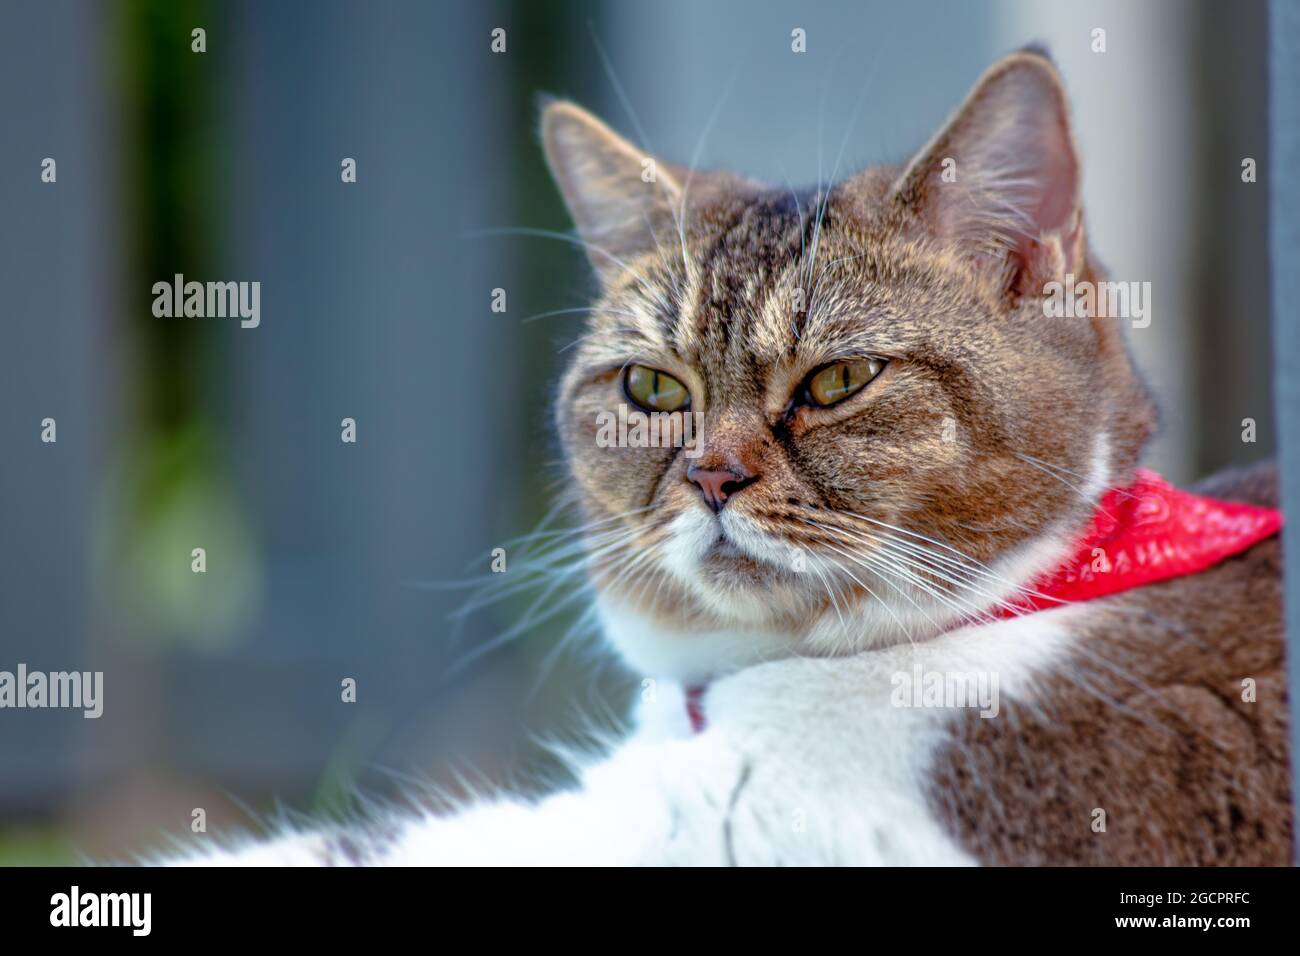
(1001,180)
(620,197)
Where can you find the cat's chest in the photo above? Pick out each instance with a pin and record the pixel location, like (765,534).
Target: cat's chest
(841,754)
(903,687)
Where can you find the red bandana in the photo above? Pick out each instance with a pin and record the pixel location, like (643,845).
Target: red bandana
(1149,532)
(1144,533)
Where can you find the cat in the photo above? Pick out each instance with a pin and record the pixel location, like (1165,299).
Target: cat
(895,445)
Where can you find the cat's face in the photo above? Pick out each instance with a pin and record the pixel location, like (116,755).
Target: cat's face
(888,435)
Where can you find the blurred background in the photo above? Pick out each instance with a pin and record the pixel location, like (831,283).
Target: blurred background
(222,689)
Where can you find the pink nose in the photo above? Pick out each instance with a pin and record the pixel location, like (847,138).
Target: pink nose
(717,485)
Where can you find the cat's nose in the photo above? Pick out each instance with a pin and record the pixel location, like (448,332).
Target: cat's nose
(719,484)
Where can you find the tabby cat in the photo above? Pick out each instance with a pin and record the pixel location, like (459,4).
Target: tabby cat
(896,447)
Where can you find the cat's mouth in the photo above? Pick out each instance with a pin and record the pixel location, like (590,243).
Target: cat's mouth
(742,571)
(727,556)
(724,547)
(742,551)
(725,552)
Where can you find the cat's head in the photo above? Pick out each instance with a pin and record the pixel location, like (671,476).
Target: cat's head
(889,435)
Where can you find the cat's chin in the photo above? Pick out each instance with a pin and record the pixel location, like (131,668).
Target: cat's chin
(727,551)
(733,574)
(728,568)
(731,610)
(737,595)
(653,646)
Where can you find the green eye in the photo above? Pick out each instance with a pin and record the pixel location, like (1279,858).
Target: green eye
(653,390)
(834,383)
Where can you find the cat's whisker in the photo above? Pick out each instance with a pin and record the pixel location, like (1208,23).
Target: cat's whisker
(532,576)
(885,573)
(925,569)
(582,529)
(830,182)
(586,625)
(938,567)
(958,558)
(678,215)
(987,598)
(974,565)
(556,552)
(1007,523)
(531,618)
(1089,499)
(598,333)
(647,559)
(875,562)
(663,579)
(812,296)
(1075,676)
(821,136)
(826,584)
(626,102)
(1023,592)
(900,568)
(695,159)
(885,37)
(557,560)
(560,575)
(911,570)
(798,207)
(587,309)
(816,237)
(1030,459)
(960,555)
(591,247)
(884,604)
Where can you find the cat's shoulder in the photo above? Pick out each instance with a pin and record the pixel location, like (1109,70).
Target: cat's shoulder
(1254,484)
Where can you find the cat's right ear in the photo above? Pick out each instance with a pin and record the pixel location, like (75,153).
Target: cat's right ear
(620,198)
(1001,180)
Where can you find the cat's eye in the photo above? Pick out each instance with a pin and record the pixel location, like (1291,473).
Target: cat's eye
(834,383)
(653,390)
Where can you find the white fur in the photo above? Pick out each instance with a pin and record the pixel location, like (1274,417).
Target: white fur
(805,761)
(648,647)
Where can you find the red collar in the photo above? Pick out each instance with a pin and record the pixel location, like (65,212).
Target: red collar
(1146,532)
